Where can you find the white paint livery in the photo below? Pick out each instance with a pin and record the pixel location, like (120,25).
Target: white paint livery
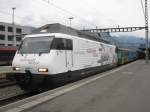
(85,54)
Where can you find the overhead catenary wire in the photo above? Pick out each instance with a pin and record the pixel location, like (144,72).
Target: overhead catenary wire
(103,15)
(68,12)
(72,14)
(18,17)
(9,14)
(58,7)
(62,9)
(142,5)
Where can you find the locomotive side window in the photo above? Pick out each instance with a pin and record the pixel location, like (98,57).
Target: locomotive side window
(69,44)
(62,44)
(58,43)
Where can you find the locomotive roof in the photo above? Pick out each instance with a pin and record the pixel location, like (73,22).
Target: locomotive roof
(59,28)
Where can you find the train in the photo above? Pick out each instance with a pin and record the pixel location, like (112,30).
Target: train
(55,54)
(7,54)
(126,55)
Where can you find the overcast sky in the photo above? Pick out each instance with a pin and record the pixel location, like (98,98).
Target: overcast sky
(86,13)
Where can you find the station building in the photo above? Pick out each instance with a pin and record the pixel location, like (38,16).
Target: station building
(7,32)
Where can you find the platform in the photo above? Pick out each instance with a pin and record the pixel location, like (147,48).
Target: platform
(5,69)
(123,89)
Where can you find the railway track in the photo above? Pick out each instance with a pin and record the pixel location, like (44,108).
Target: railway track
(14,98)
(8,92)
(12,94)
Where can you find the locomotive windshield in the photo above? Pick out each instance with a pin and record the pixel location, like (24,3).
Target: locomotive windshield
(36,45)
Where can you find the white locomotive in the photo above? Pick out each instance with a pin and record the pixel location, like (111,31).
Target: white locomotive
(56,54)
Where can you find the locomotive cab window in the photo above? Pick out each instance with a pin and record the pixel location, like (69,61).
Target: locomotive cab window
(36,45)
(62,44)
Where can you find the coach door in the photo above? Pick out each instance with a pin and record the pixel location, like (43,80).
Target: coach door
(69,54)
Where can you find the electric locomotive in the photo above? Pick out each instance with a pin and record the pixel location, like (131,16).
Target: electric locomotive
(56,54)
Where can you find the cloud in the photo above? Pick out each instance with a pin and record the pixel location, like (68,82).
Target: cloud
(86,13)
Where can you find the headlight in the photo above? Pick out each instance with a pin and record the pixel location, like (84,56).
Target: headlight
(43,69)
(16,68)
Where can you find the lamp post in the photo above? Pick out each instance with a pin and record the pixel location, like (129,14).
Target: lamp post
(13,9)
(13,23)
(70,18)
